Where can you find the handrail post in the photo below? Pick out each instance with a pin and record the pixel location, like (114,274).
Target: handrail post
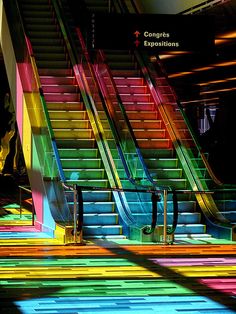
(75,210)
(165,217)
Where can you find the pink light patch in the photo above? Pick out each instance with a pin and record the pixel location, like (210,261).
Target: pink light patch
(225,285)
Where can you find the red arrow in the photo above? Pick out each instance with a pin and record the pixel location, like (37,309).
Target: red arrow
(136,34)
(137,42)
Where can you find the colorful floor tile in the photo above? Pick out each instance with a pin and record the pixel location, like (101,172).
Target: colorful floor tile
(114,278)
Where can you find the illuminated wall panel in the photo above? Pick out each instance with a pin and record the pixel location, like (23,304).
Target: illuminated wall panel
(168,6)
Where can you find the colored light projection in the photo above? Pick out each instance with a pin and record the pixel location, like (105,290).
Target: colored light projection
(130,278)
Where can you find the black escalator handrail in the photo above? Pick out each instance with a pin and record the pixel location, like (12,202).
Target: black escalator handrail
(80,216)
(175,213)
(150,229)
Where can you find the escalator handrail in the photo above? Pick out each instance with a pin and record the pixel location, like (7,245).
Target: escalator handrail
(117,137)
(92,114)
(69,41)
(111,120)
(105,106)
(147,230)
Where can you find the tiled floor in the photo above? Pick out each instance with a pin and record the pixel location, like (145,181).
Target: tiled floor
(40,275)
(115,278)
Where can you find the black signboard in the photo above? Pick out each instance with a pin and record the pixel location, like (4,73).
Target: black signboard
(151,32)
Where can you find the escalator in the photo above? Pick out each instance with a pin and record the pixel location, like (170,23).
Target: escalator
(166,142)
(70,144)
(86,146)
(79,145)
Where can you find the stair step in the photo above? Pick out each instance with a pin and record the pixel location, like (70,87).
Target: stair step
(55,72)
(50,56)
(149,134)
(135,97)
(183,218)
(75,174)
(97,201)
(78,153)
(156,174)
(102,230)
(61,97)
(41,28)
(130,89)
(43,34)
(52,63)
(176,183)
(68,114)
(76,143)
(101,218)
(161,163)
(99,208)
(145,124)
(125,73)
(160,153)
(57,80)
(190,229)
(38,20)
(138,106)
(70,124)
(60,89)
(154,143)
(141,114)
(226,204)
(66,107)
(73,133)
(85,163)
(100,183)
(128,81)
(230,215)
(191,237)
(39,49)
(112,237)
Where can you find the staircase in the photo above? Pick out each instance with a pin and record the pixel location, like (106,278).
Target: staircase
(78,151)
(154,141)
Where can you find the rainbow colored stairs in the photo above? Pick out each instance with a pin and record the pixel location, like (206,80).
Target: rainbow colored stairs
(153,140)
(78,151)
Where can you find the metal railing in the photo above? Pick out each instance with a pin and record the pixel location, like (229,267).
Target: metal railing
(79,210)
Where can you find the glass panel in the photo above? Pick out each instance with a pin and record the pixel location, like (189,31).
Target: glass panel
(194,161)
(34,101)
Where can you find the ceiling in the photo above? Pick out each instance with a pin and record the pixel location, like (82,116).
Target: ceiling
(204,78)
